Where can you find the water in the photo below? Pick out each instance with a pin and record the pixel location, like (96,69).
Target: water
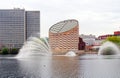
(109,48)
(70,53)
(35,46)
(35,61)
(86,66)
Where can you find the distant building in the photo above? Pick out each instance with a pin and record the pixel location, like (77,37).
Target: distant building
(64,36)
(87,36)
(102,37)
(98,42)
(117,33)
(16,25)
(81,44)
(88,39)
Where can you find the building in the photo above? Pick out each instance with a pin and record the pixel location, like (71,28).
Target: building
(103,37)
(88,39)
(16,25)
(32,23)
(64,36)
(81,44)
(117,33)
(98,42)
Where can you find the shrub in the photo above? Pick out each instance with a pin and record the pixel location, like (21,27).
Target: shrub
(14,51)
(114,39)
(5,51)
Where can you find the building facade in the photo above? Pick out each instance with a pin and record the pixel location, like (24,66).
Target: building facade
(32,23)
(81,44)
(116,33)
(64,36)
(103,37)
(15,24)
(88,39)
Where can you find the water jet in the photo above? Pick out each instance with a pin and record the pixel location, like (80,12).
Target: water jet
(70,53)
(109,48)
(35,46)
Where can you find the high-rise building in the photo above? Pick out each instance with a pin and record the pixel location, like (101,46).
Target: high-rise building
(64,36)
(16,25)
(32,22)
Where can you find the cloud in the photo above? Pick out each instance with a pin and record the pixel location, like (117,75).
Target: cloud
(94,16)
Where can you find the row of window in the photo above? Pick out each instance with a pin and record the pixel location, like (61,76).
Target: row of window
(63,35)
(12,45)
(11,42)
(67,47)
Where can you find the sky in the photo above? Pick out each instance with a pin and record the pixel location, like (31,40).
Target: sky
(97,17)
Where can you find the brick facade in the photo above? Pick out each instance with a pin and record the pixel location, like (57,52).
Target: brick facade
(64,41)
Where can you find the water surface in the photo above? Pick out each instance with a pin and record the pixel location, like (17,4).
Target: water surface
(86,66)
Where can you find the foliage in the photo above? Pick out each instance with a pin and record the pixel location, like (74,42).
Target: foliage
(9,51)
(114,39)
(14,51)
(5,51)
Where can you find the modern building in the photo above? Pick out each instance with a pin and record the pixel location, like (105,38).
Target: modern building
(32,23)
(64,36)
(16,25)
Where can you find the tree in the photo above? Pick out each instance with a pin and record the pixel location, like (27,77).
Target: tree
(14,51)
(5,51)
(114,39)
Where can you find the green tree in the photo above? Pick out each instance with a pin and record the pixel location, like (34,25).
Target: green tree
(5,51)
(114,39)
(14,51)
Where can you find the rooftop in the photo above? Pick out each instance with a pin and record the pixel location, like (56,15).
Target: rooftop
(63,26)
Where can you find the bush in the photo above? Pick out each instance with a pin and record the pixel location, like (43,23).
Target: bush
(5,51)
(114,39)
(14,51)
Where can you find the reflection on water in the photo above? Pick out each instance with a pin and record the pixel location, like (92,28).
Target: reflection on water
(65,67)
(87,66)
(36,68)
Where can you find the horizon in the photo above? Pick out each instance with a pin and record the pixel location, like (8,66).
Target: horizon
(96,17)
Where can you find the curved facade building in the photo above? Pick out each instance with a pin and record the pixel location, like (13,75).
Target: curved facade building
(64,36)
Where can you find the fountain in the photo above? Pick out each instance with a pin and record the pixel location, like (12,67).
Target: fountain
(70,53)
(35,46)
(109,48)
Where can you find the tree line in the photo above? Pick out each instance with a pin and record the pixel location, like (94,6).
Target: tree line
(6,50)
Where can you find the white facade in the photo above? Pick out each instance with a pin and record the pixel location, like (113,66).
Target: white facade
(98,42)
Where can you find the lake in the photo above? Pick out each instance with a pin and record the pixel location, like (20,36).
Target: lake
(85,66)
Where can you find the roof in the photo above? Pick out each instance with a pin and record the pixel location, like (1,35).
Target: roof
(63,26)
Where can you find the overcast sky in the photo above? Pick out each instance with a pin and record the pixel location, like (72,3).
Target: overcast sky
(95,17)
